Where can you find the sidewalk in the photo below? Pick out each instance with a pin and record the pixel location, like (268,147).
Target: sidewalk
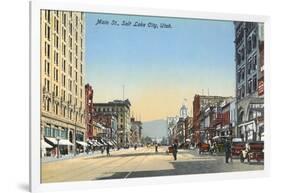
(71,156)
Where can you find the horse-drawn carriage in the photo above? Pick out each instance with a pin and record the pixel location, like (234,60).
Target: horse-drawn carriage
(203,147)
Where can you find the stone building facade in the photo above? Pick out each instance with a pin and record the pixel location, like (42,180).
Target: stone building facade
(122,110)
(249,79)
(62,78)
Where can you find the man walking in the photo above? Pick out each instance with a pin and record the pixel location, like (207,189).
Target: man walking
(227,148)
(107,150)
(175,150)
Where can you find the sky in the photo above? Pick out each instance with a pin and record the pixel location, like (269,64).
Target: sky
(159,67)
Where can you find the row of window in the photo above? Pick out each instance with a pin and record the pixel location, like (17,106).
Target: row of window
(64,21)
(63,111)
(251,87)
(55,132)
(251,68)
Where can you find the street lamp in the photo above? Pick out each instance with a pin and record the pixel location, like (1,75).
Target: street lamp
(58,149)
(75,135)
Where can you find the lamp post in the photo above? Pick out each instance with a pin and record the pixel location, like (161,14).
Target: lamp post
(75,135)
(58,149)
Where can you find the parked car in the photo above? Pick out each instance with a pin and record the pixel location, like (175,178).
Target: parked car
(237,146)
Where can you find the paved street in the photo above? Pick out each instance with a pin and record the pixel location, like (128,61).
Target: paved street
(143,162)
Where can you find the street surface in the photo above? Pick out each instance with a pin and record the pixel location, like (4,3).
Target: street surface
(143,162)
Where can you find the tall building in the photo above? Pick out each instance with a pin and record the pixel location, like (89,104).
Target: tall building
(122,110)
(249,79)
(62,79)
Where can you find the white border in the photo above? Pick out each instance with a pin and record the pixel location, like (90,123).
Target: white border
(97,7)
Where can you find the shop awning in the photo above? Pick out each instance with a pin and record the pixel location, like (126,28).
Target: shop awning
(45,145)
(90,142)
(82,143)
(61,141)
(216,137)
(110,143)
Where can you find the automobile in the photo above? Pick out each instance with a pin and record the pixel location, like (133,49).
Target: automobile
(253,151)
(237,146)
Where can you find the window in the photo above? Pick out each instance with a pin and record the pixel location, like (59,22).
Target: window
(48,16)
(64,19)
(47,68)
(70,28)
(249,45)
(63,80)
(56,109)
(254,37)
(243,91)
(70,42)
(254,82)
(47,50)
(70,71)
(64,34)
(63,65)
(239,76)
(254,63)
(47,31)
(249,66)
(243,74)
(249,89)
(70,85)
(63,50)
(56,58)
(70,57)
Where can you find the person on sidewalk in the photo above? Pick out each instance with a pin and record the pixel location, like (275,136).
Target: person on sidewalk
(156,148)
(107,150)
(175,150)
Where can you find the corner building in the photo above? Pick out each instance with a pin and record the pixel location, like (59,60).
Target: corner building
(249,79)
(62,79)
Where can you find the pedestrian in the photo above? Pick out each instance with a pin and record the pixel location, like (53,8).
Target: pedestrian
(102,149)
(135,146)
(107,150)
(156,147)
(227,149)
(175,150)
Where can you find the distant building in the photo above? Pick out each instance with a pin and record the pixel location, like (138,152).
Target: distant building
(249,57)
(171,124)
(136,131)
(109,121)
(183,111)
(122,110)
(203,119)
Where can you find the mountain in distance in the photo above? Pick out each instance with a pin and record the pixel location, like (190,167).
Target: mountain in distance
(155,128)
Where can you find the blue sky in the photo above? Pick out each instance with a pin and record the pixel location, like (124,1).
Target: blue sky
(159,66)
